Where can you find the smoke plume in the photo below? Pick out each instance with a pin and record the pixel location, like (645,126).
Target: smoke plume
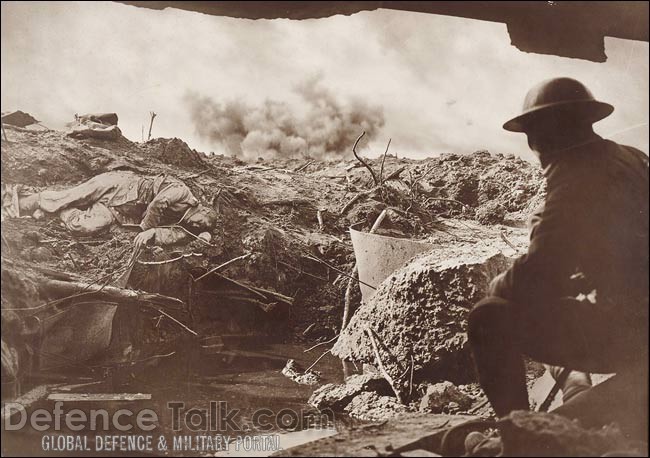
(326,129)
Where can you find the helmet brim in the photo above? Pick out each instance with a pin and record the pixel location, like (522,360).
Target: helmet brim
(589,110)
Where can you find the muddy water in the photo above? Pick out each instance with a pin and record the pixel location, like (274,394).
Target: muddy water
(267,410)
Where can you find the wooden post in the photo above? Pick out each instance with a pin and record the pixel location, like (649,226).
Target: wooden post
(153,115)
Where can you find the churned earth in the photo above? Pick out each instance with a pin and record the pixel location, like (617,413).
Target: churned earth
(288,221)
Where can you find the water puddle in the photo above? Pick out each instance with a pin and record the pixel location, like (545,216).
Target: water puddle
(237,397)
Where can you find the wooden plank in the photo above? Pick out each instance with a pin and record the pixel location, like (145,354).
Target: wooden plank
(94,397)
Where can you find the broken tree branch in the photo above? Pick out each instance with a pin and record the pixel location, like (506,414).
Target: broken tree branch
(383,160)
(221,266)
(354,150)
(168,261)
(264,294)
(182,325)
(120,295)
(508,242)
(314,258)
(380,365)
(317,360)
(304,166)
(348,299)
(321,344)
(302,272)
(429,199)
(352,202)
(411,377)
(392,176)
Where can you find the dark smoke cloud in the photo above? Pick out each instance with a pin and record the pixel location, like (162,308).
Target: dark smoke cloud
(327,129)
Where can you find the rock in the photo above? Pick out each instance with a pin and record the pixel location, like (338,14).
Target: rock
(337,397)
(296,373)
(421,310)
(370,406)
(444,396)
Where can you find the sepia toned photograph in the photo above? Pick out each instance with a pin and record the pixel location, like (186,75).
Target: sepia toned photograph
(312,228)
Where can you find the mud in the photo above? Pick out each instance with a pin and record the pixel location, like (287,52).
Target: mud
(173,152)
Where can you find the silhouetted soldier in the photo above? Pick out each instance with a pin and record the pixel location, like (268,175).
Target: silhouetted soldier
(592,234)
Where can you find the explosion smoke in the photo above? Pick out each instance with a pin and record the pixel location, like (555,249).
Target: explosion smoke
(273,129)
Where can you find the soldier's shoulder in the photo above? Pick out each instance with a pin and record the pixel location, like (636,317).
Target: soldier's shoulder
(628,149)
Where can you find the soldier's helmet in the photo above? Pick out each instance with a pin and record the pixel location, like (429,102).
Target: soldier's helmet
(561,96)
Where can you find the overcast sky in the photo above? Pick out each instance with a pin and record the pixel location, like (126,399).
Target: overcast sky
(434,83)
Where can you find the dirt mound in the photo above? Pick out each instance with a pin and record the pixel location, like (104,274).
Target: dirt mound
(460,185)
(419,314)
(173,151)
(483,179)
(270,209)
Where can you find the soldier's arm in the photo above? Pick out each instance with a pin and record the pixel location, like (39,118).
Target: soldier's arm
(170,235)
(153,216)
(160,236)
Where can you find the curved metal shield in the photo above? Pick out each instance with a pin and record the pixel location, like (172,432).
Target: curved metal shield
(378,256)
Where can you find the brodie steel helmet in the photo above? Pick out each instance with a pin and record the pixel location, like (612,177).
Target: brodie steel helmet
(559,95)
